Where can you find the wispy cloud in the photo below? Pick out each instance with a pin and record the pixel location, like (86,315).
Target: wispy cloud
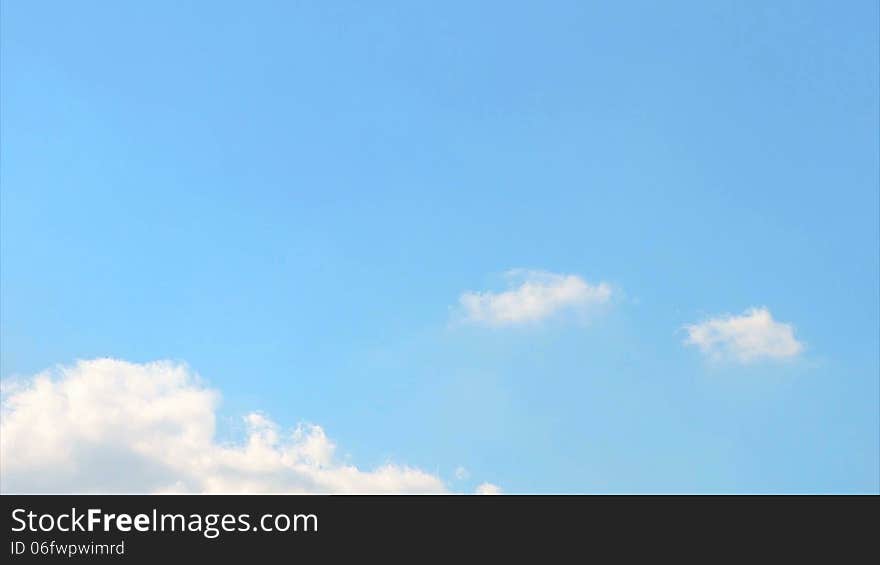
(487,488)
(753,336)
(532,296)
(111,426)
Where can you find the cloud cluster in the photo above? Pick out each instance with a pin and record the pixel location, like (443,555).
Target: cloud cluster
(538,295)
(112,426)
(107,425)
(753,336)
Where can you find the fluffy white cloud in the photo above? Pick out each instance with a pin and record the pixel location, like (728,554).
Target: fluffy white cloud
(111,426)
(538,295)
(487,488)
(461,473)
(753,336)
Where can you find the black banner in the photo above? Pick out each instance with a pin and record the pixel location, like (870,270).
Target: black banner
(152,529)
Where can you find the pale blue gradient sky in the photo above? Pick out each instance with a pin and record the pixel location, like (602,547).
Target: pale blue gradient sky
(291,196)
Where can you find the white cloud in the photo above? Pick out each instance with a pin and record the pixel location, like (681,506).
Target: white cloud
(753,336)
(488,488)
(461,473)
(539,295)
(111,426)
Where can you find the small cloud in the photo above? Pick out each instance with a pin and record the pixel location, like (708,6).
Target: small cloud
(487,488)
(753,336)
(538,295)
(461,473)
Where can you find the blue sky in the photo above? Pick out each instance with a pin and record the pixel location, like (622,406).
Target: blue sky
(292,198)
